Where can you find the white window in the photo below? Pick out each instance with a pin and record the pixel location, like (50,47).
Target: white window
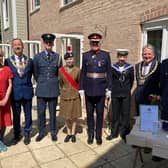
(5,8)
(155,32)
(35,4)
(66,2)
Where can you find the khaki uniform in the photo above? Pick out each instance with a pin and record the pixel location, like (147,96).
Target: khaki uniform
(70,104)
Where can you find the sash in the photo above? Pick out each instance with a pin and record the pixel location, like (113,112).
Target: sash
(69,79)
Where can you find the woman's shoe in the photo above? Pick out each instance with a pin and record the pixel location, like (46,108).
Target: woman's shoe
(67,138)
(2,147)
(73,138)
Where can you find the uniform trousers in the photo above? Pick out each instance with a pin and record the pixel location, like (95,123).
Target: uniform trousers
(27,108)
(95,102)
(41,114)
(120,116)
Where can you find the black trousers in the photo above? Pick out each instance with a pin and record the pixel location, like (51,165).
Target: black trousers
(41,111)
(120,116)
(95,102)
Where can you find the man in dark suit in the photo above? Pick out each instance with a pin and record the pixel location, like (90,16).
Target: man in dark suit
(122,81)
(22,90)
(46,74)
(95,83)
(164,92)
(147,77)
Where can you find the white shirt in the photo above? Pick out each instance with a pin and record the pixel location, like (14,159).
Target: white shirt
(146,68)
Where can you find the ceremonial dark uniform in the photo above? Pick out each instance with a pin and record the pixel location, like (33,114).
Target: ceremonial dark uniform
(164,92)
(146,84)
(122,81)
(94,80)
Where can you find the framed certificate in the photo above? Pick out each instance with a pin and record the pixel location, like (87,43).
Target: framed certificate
(148,115)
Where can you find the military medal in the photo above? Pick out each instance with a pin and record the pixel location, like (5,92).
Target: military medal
(93,56)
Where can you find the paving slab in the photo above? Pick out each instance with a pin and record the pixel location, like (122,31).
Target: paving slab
(46,154)
(22,160)
(60,163)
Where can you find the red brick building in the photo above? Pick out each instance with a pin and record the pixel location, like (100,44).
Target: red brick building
(124,24)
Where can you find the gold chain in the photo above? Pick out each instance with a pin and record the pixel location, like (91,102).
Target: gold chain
(143,77)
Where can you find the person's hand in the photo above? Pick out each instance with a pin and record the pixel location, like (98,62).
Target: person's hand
(3,102)
(108,93)
(82,93)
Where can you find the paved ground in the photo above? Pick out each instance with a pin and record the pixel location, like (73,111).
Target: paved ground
(46,154)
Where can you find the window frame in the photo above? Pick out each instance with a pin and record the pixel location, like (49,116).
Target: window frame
(35,7)
(157,24)
(67,3)
(6,16)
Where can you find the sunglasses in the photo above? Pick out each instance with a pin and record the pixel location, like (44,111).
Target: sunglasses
(94,43)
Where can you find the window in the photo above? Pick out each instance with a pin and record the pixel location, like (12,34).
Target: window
(35,4)
(5,8)
(155,32)
(66,2)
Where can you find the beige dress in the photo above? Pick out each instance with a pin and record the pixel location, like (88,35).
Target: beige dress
(70,104)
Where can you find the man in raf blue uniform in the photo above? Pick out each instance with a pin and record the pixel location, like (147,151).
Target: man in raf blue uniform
(22,90)
(95,84)
(46,74)
(122,81)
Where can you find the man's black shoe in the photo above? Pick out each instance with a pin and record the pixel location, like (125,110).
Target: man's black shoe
(15,140)
(39,138)
(110,137)
(53,137)
(27,139)
(90,140)
(99,141)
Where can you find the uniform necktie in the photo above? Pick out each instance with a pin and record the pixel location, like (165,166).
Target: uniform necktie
(48,56)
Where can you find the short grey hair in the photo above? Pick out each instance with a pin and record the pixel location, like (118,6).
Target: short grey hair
(150,46)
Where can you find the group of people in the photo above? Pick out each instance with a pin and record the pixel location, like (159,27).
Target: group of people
(97,81)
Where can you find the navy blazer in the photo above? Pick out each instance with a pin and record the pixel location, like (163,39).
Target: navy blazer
(21,86)
(46,75)
(164,89)
(92,63)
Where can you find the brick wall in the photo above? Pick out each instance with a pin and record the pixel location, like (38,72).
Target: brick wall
(118,20)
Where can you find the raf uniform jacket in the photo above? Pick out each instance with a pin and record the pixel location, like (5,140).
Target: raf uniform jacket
(122,80)
(164,89)
(95,63)
(21,86)
(148,84)
(46,74)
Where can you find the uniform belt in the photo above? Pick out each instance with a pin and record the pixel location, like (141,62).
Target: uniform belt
(96,75)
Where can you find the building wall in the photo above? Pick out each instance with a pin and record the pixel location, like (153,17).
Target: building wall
(7,34)
(21,14)
(119,21)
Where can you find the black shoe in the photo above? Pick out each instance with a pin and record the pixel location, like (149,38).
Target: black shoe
(156,158)
(39,138)
(53,137)
(99,141)
(90,140)
(15,140)
(67,138)
(27,139)
(73,138)
(110,137)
